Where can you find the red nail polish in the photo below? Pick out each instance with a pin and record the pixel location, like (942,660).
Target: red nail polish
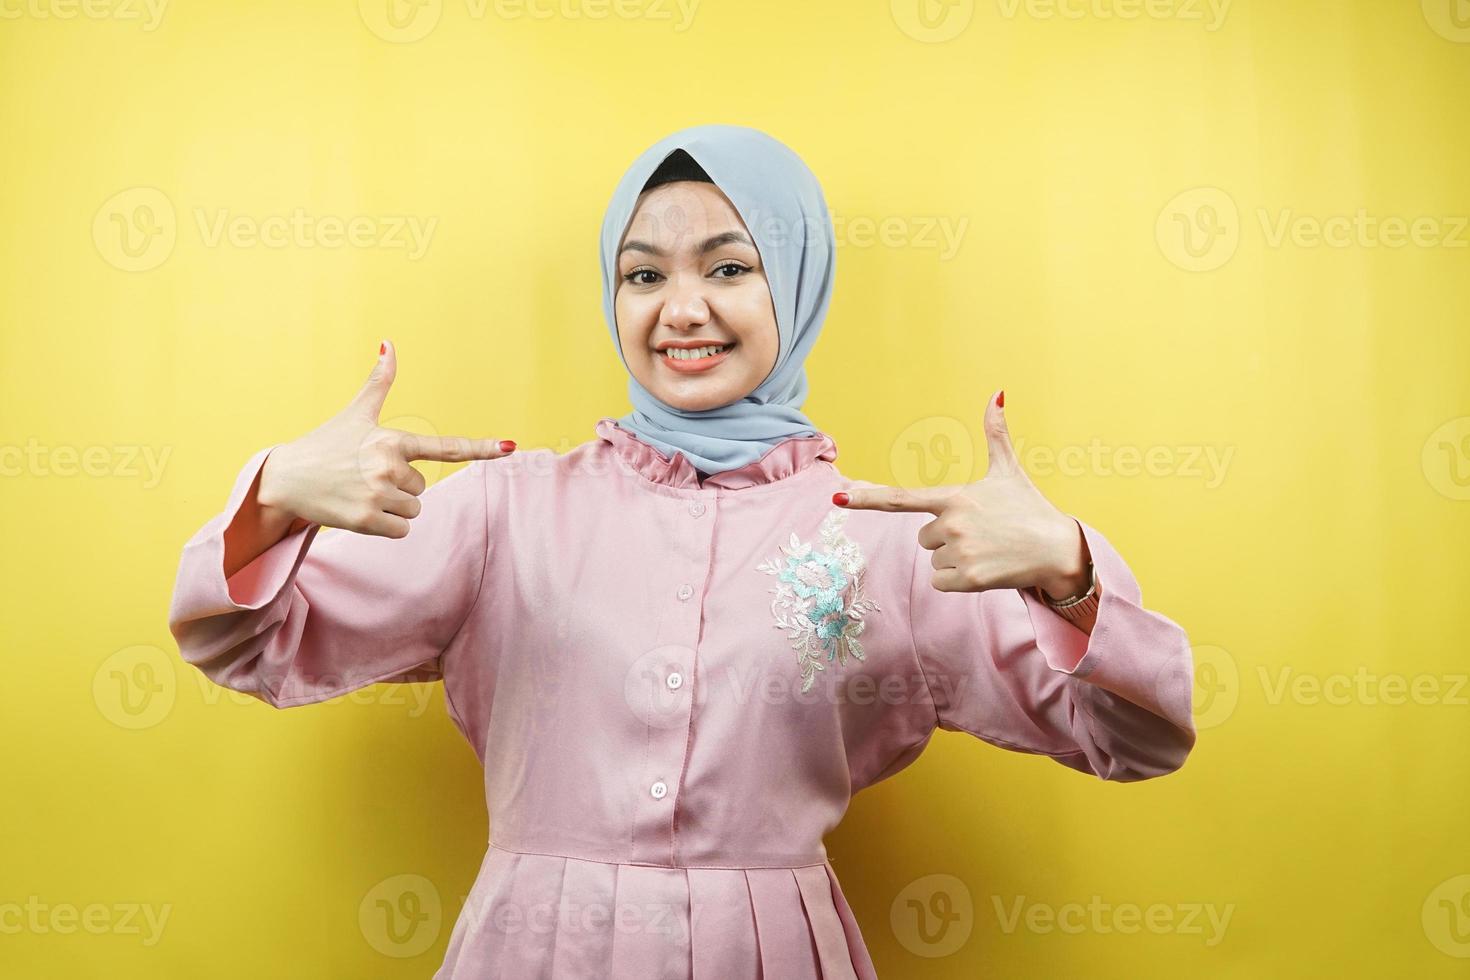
(382,349)
(840,499)
(507,445)
(1000,399)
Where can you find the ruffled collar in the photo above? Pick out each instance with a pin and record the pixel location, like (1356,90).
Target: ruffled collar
(786,458)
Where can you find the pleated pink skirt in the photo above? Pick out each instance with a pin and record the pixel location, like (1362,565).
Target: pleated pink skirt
(532,916)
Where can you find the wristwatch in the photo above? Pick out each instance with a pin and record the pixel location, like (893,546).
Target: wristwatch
(1077,608)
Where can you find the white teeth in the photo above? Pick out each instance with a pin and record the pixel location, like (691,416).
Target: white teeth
(693,354)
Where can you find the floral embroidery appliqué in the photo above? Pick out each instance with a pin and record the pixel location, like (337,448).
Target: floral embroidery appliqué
(819,598)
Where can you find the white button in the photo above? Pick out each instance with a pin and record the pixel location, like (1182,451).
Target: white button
(658,790)
(696,508)
(685,592)
(675,681)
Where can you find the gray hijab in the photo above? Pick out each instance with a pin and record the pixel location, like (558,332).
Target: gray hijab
(783,207)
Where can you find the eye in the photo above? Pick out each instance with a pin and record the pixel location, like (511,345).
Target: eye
(632,277)
(731,265)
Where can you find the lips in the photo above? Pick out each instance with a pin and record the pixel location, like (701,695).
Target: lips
(695,366)
(694,344)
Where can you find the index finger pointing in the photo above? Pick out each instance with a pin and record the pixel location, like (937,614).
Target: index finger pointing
(453,449)
(929,500)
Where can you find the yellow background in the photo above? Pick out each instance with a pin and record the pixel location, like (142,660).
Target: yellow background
(1074,151)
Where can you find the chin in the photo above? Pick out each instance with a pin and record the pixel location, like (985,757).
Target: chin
(694,404)
(694,395)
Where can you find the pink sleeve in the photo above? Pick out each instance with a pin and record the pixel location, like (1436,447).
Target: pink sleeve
(325,611)
(1005,668)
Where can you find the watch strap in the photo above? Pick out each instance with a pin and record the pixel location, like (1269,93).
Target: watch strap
(1079,607)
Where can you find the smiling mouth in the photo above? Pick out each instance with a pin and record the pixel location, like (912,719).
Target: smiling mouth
(696,360)
(694,354)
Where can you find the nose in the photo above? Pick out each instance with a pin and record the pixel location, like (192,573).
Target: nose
(684,303)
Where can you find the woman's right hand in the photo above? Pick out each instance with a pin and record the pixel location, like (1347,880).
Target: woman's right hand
(351,473)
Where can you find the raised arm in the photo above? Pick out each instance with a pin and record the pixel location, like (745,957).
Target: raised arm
(310,584)
(1112,699)
(326,611)
(1005,668)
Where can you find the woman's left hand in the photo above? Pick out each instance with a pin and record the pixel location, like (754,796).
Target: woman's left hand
(997,533)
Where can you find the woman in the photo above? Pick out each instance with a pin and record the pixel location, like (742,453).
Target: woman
(680,648)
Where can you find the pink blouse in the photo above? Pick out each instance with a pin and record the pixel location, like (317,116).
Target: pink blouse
(675,687)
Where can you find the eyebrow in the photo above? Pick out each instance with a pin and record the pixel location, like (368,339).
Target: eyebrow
(709,245)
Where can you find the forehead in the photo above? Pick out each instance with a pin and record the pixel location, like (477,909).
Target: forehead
(678,212)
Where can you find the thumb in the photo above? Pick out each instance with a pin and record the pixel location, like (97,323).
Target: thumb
(1003,460)
(369,399)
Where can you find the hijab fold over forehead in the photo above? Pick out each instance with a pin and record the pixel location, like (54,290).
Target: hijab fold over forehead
(782,205)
